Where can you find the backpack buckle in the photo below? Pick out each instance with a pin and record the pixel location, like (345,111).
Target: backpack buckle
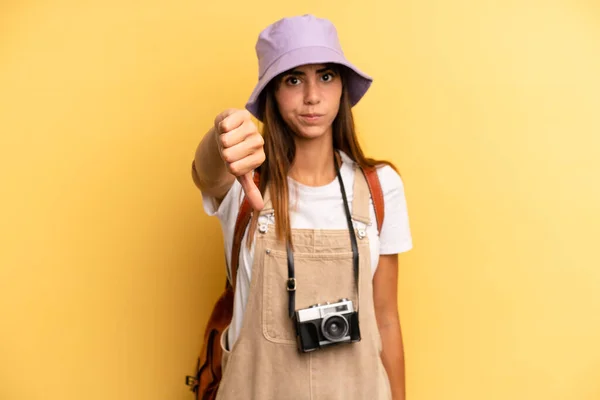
(191,381)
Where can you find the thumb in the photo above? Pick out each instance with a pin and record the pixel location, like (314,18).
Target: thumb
(252,192)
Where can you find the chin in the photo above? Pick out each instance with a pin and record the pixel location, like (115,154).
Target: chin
(311,132)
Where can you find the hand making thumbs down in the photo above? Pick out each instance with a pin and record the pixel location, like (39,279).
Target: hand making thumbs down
(242,149)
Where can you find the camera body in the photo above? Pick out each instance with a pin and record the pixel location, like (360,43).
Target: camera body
(322,325)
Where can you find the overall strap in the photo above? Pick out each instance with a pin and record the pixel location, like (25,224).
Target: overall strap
(245,214)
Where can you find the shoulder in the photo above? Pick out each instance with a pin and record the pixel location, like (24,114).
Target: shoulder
(390,180)
(395,235)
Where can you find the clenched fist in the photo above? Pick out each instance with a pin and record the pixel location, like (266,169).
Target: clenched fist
(242,149)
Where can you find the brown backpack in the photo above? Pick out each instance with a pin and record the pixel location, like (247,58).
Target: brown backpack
(208,369)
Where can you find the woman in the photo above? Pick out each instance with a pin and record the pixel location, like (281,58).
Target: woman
(299,250)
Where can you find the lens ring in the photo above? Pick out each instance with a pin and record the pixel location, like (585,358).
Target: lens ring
(335,322)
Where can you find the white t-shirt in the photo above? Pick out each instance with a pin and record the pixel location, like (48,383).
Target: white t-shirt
(316,208)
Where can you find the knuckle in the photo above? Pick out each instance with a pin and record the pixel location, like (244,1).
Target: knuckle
(260,141)
(224,140)
(234,169)
(227,156)
(254,144)
(224,126)
(221,119)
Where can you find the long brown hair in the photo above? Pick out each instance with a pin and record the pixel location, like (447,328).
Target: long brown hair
(280,150)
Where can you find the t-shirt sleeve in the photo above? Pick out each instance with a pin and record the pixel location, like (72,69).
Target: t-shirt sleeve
(227,211)
(395,236)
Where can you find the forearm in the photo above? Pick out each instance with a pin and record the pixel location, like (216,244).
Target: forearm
(211,174)
(393,357)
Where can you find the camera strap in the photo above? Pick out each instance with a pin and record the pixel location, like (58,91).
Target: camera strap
(291,282)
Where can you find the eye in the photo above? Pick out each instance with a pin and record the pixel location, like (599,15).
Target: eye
(328,77)
(292,80)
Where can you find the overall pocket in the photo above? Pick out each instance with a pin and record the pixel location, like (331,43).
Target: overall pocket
(320,278)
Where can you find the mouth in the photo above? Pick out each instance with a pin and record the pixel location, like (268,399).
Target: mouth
(311,117)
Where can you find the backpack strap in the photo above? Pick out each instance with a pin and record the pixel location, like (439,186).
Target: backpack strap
(376,195)
(241,223)
(245,214)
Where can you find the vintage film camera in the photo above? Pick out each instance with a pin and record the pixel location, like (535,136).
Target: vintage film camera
(322,325)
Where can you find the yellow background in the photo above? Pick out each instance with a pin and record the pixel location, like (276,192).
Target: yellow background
(109,267)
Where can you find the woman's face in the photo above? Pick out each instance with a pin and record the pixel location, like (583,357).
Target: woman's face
(308,98)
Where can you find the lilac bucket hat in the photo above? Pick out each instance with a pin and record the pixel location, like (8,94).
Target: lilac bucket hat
(294,41)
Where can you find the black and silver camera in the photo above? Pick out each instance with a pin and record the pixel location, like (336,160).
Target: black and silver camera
(326,324)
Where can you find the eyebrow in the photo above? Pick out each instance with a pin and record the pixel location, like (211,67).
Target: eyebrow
(297,72)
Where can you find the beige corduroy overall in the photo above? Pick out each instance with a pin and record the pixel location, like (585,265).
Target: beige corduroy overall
(265,363)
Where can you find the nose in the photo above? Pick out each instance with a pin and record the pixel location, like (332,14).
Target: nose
(311,93)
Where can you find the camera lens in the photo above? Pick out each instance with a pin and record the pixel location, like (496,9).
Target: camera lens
(334,328)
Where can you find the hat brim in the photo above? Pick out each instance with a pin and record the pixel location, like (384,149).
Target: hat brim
(357,83)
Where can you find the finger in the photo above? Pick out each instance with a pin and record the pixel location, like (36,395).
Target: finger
(237,135)
(243,149)
(221,116)
(232,121)
(252,192)
(246,164)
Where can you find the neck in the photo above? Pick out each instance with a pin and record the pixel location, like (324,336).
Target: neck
(313,162)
